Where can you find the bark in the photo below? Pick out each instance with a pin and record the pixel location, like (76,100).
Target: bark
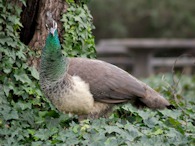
(33,19)
(57,8)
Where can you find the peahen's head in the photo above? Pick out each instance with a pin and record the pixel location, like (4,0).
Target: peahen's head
(52,40)
(51,26)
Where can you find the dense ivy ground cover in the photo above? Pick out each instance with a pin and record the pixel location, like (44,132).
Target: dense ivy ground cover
(28,118)
(35,122)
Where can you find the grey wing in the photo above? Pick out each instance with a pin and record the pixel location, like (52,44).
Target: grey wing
(108,83)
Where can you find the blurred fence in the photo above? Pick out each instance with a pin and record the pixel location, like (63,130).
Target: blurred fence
(148,56)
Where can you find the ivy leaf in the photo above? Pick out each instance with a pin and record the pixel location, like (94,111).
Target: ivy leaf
(37,143)
(176,124)
(21,76)
(24,106)
(6,90)
(4,40)
(34,73)
(42,134)
(75,129)
(8,113)
(157,132)
(31,131)
(20,54)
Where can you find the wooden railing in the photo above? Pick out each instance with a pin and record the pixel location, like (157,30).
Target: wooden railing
(140,53)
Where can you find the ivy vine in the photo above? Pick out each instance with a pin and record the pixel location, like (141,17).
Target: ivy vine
(24,112)
(78,38)
(20,95)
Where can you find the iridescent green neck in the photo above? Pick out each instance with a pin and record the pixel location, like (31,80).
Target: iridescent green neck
(53,63)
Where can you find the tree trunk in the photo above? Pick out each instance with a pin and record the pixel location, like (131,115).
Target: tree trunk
(33,18)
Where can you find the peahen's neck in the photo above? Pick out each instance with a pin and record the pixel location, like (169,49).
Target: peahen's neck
(53,64)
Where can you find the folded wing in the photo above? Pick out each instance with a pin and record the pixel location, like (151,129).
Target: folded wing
(110,84)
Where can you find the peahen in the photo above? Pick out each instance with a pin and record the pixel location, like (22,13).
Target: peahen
(89,87)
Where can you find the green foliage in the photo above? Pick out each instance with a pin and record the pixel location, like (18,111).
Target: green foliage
(78,36)
(27,118)
(20,97)
(143,18)
(77,1)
